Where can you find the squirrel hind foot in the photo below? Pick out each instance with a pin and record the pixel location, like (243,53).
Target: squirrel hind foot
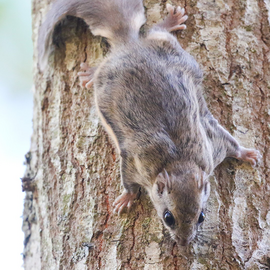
(175,19)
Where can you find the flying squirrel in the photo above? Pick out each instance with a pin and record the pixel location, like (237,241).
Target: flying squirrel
(148,95)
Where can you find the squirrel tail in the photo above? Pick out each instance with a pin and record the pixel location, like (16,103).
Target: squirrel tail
(117,20)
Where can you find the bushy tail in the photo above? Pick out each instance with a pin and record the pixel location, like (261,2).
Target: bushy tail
(117,20)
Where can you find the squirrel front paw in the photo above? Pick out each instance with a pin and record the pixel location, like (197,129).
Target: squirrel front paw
(126,199)
(86,76)
(175,19)
(252,156)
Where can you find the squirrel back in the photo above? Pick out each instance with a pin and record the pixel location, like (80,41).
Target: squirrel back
(117,20)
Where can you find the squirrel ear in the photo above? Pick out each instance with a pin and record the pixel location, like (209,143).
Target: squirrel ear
(160,181)
(167,179)
(163,180)
(161,186)
(201,178)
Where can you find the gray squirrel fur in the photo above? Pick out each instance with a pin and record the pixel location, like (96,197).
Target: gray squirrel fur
(149,98)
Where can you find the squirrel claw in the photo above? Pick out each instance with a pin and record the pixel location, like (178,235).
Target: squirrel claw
(251,156)
(86,76)
(175,19)
(126,199)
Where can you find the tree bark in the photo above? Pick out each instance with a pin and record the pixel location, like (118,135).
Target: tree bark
(72,175)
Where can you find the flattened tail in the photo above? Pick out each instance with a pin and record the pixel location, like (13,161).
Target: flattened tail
(117,20)
(59,10)
(45,46)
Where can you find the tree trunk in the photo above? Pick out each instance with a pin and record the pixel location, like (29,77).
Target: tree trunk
(72,175)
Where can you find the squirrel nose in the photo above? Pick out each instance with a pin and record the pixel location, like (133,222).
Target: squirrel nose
(183,242)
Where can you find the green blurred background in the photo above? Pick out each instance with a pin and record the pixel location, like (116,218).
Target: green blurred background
(15,123)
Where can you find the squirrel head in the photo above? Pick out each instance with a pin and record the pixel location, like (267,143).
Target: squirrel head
(180,199)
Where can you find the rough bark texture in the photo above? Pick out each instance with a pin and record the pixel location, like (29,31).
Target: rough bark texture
(72,175)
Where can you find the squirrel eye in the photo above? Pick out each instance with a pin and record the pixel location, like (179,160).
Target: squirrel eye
(201,218)
(168,218)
